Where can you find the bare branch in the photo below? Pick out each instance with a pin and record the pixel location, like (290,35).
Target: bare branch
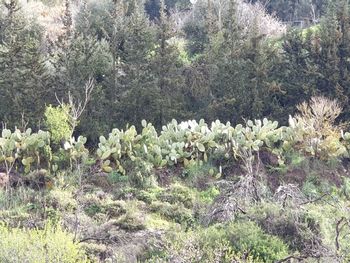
(338,229)
(77,107)
(315,200)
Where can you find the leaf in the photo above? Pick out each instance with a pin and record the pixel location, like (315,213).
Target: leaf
(67,146)
(54,167)
(107,169)
(106,154)
(200,147)
(102,139)
(6,133)
(163,163)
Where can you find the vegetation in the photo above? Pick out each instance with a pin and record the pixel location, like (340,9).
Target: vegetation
(110,171)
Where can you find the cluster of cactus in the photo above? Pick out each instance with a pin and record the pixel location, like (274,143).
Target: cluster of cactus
(28,151)
(24,149)
(186,142)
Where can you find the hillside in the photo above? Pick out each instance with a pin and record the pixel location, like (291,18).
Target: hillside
(192,193)
(174,131)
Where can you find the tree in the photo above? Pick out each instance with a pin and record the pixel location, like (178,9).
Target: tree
(316,61)
(24,78)
(78,56)
(135,97)
(166,67)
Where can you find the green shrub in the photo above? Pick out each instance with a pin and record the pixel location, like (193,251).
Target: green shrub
(58,123)
(296,227)
(52,244)
(149,195)
(174,212)
(208,245)
(132,220)
(61,200)
(179,194)
(208,196)
(249,238)
(94,204)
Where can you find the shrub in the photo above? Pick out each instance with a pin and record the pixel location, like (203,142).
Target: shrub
(208,196)
(179,194)
(132,220)
(201,245)
(314,131)
(61,200)
(249,238)
(295,226)
(51,244)
(175,212)
(58,123)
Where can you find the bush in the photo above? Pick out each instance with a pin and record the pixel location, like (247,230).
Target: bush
(179,194)
(132,220)
(51,244)
(249,238)
(61,200)
(175,212)
(202,245)
(295,226)
(208,196)
(58,124)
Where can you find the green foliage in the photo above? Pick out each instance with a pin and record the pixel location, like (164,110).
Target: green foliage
(51,244)
(226,243)
(208,246)
(209,195)
(58,123)
(24,76)
(178,194)
(61,200)
(25,150)
(174,212)
(94,204)
(133,219)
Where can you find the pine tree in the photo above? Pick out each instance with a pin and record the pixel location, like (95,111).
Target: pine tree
(135,99)
(167,70)
(316,61)
(24,79)
(227,77)
(84,56)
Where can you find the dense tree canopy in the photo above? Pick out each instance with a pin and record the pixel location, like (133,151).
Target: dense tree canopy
(158,60)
